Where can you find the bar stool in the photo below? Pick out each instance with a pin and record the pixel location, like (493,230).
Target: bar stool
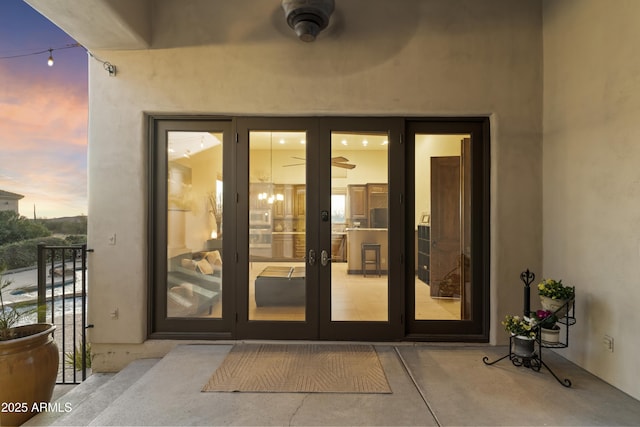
(375,247)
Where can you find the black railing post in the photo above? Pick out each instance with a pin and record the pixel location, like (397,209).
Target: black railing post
(83,251)
(527,278)
(48,256)
(42,278)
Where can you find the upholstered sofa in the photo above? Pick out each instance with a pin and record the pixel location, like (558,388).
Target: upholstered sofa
(194,283)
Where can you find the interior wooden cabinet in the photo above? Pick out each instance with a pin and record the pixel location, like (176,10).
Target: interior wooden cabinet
(358,210)
(363,198)
(288,212)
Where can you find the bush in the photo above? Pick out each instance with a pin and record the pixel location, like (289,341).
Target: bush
(76,239)
(25,253)
(14,228)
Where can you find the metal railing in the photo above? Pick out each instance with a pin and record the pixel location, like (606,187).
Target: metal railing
(62,301)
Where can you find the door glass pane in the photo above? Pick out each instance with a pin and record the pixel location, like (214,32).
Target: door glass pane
(359,226)
(194,224)
(277,203)
(442,227)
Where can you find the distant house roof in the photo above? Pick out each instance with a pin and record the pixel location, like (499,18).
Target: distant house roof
(9,195)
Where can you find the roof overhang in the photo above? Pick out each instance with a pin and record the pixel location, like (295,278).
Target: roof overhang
(101,24)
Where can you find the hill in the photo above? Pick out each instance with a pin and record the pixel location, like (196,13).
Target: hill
(66,225)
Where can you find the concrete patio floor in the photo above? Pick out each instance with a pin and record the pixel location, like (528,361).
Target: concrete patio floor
(432,385)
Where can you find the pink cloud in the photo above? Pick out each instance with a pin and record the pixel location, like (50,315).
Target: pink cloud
(43,143)
(34,113)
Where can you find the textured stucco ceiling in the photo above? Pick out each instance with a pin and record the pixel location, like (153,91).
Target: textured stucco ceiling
(158,24)
(101,24)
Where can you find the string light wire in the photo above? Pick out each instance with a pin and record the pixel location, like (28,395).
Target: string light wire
(40,52)
(110,68)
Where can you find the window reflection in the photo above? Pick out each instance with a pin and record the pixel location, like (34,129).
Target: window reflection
(277,224)
(194,224)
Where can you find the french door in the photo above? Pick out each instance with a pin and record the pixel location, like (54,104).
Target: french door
(328,228)
(448,215)
(315,226)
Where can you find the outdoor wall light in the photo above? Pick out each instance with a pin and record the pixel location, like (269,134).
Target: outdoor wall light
(308,17)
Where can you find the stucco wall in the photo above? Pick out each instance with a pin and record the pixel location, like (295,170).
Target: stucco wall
(415,58)
(9,205)
(591,180)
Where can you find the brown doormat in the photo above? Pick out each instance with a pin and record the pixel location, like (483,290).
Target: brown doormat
(300,368)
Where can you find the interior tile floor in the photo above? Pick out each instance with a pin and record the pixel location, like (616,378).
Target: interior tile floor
(354,297)
(433,385)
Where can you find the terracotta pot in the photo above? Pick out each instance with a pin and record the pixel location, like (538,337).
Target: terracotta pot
(28,371)
(556,306)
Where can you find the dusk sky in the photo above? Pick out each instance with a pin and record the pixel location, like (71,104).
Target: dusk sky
(43,115)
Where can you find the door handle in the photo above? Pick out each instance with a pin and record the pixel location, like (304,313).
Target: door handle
(324,258)
(312,257)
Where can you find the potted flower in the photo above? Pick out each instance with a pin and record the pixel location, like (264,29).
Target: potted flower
(28,362)
(549,329)
(523,331)
(554,296)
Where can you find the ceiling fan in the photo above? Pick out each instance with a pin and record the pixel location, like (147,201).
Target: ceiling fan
(339,162)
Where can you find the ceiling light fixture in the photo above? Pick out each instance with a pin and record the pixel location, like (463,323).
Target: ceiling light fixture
(308,17)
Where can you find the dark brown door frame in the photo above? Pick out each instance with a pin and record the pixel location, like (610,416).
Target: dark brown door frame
(401,208)
(158,325)
(260,329)
(476,329)
(318,324)
(353,330)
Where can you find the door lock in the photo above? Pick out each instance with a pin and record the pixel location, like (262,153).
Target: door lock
(324,258)
(312,257)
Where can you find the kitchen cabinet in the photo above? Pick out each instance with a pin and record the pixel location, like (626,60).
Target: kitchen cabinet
(278,205)
(283,209)
(377,196)
(358,211)
(300,200)
(338,249)
(282,245)
(299,246)
(365,198)
(289,201)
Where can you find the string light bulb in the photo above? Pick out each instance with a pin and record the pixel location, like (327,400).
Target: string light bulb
(50,60)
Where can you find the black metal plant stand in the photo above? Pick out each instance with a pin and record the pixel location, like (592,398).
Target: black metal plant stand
(533,360)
